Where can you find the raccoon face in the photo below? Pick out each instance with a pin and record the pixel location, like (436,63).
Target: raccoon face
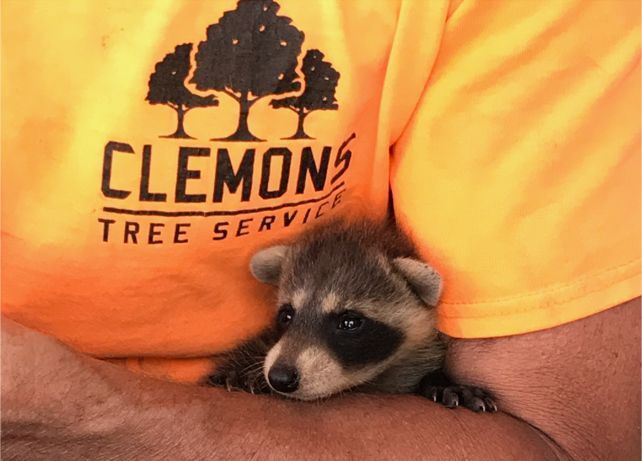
(343,319)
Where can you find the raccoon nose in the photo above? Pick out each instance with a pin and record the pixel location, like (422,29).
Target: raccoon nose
(283,378)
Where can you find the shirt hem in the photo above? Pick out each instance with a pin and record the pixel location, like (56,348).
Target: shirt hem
(541,310)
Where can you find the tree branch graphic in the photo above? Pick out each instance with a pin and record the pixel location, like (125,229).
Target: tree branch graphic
(320,84)
(249,54)
(167,87)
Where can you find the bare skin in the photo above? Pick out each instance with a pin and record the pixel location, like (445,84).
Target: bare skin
(572,392)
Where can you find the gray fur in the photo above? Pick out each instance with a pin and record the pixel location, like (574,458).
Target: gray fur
(356,261)
(404,375)
(266,264)
(362,266)
(351,258)
(425,280)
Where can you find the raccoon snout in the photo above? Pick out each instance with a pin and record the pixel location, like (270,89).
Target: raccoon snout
(283,378)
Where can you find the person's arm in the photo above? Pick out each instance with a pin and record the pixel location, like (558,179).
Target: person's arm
(60,405)
(567,393)
(577,384)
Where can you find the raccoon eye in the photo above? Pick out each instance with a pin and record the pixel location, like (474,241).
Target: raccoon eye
(350,322)
(285,315)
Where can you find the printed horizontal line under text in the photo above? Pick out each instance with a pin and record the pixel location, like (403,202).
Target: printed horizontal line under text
(220,212)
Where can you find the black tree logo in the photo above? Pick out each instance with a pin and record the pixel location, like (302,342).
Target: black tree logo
(167,86)
(320,84)
(249,54)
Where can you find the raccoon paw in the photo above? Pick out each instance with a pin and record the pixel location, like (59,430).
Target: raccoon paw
(471,397)
(231,380)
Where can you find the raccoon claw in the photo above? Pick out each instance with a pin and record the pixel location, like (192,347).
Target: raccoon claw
(229,381)
(470,397)
(450,398)
(222,380)
(232,381)
(216,380)
(483,405)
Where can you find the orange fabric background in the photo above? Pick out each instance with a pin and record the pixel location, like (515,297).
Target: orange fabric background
(515,165)
(520,170)
(76,78)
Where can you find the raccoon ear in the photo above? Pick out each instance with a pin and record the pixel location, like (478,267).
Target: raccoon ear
(266,264)
(425,280)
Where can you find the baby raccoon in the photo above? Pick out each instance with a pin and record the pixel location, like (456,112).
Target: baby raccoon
(356,310)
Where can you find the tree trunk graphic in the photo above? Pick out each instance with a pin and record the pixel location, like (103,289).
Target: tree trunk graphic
(167,87)
(180,129)
(249,54)
(300,130)
(242,132)
(320,84)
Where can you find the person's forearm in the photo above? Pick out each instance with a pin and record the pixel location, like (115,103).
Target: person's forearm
(105,412)
(154,420)
(578,383)
(206,422)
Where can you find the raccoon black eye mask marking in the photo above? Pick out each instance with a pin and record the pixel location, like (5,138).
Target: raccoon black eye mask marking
(356,340)
(350,336)
(316,348)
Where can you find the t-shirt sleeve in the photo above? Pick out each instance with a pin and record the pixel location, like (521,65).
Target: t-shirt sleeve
(519,172)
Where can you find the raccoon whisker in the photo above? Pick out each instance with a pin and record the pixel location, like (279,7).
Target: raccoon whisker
(254,369)
(234,361)
(341,394)
(252,365)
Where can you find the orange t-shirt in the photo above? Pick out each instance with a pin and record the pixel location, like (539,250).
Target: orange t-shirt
(150,147)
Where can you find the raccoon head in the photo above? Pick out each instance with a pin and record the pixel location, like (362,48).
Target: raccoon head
(347,312)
